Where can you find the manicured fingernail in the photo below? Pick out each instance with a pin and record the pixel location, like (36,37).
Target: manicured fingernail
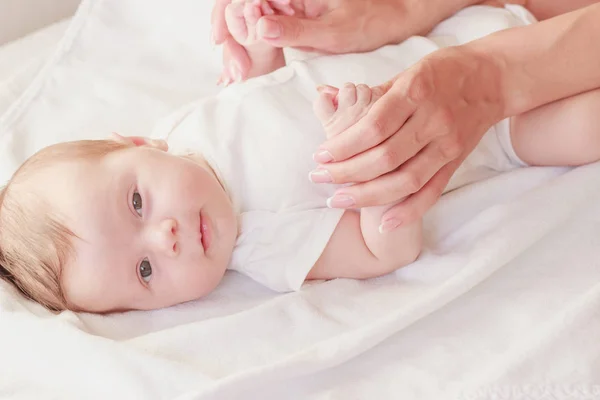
(340,201)
(322,157)
(389,225)
(267,29)
(320,176)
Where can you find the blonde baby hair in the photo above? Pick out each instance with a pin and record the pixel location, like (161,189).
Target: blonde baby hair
(34,244)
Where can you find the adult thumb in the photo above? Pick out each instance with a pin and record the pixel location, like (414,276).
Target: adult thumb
(290,31)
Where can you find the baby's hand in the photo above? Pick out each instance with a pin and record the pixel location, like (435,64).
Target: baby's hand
(253,57)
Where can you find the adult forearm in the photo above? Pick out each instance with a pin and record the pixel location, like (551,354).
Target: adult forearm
(543,62)
(544,9)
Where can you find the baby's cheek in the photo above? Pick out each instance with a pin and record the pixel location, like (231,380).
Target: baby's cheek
(198,279)
(213,275)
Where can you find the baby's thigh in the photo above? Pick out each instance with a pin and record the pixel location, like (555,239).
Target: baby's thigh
(564,132)
(493,155)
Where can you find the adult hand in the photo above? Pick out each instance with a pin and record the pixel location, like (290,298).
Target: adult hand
(335,26)
(416,135)
(236,62)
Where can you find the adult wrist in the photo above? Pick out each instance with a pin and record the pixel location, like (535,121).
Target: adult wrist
(544,62)
(490,79)
(506,83)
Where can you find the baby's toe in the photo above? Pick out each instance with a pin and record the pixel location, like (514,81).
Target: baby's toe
(354,103)
(325,107)
(358,102)
(252,13)
(363,95)
(347,97)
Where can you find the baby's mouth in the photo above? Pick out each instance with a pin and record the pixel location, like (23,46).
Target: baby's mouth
(205,231)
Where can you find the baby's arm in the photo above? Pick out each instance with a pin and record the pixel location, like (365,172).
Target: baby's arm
(358,250)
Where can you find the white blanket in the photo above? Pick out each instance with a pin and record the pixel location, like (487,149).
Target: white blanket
(503,303)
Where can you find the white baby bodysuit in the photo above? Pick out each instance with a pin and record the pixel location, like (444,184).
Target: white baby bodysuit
(259,138)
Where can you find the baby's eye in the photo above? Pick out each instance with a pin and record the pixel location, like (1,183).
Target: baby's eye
(136,202)
(146,270)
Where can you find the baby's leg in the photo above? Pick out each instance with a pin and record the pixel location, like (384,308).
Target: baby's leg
(566,132)
(339,110)
(242,17)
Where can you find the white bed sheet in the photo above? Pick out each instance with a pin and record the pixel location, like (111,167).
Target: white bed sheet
(21,59)
(504,302)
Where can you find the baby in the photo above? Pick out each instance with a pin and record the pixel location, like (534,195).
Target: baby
(134,223)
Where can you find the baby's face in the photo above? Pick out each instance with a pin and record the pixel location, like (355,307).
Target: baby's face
(153,229)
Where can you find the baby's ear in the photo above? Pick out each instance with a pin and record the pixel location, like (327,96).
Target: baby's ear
(138,141)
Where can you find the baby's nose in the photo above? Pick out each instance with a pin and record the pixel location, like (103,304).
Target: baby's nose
(164,237)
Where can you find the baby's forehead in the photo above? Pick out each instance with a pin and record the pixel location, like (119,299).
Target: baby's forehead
(70,160)
(58,174)
(63,189)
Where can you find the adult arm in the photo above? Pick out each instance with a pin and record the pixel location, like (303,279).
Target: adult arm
(434,114)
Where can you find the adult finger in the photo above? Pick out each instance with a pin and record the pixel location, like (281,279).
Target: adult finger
(411,177)
(385,118)
(423,129)
(219,30)
(291,31)
(383,158)
(416,205)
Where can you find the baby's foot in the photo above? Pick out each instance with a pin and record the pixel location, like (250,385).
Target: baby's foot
(241,17)
(339,109)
